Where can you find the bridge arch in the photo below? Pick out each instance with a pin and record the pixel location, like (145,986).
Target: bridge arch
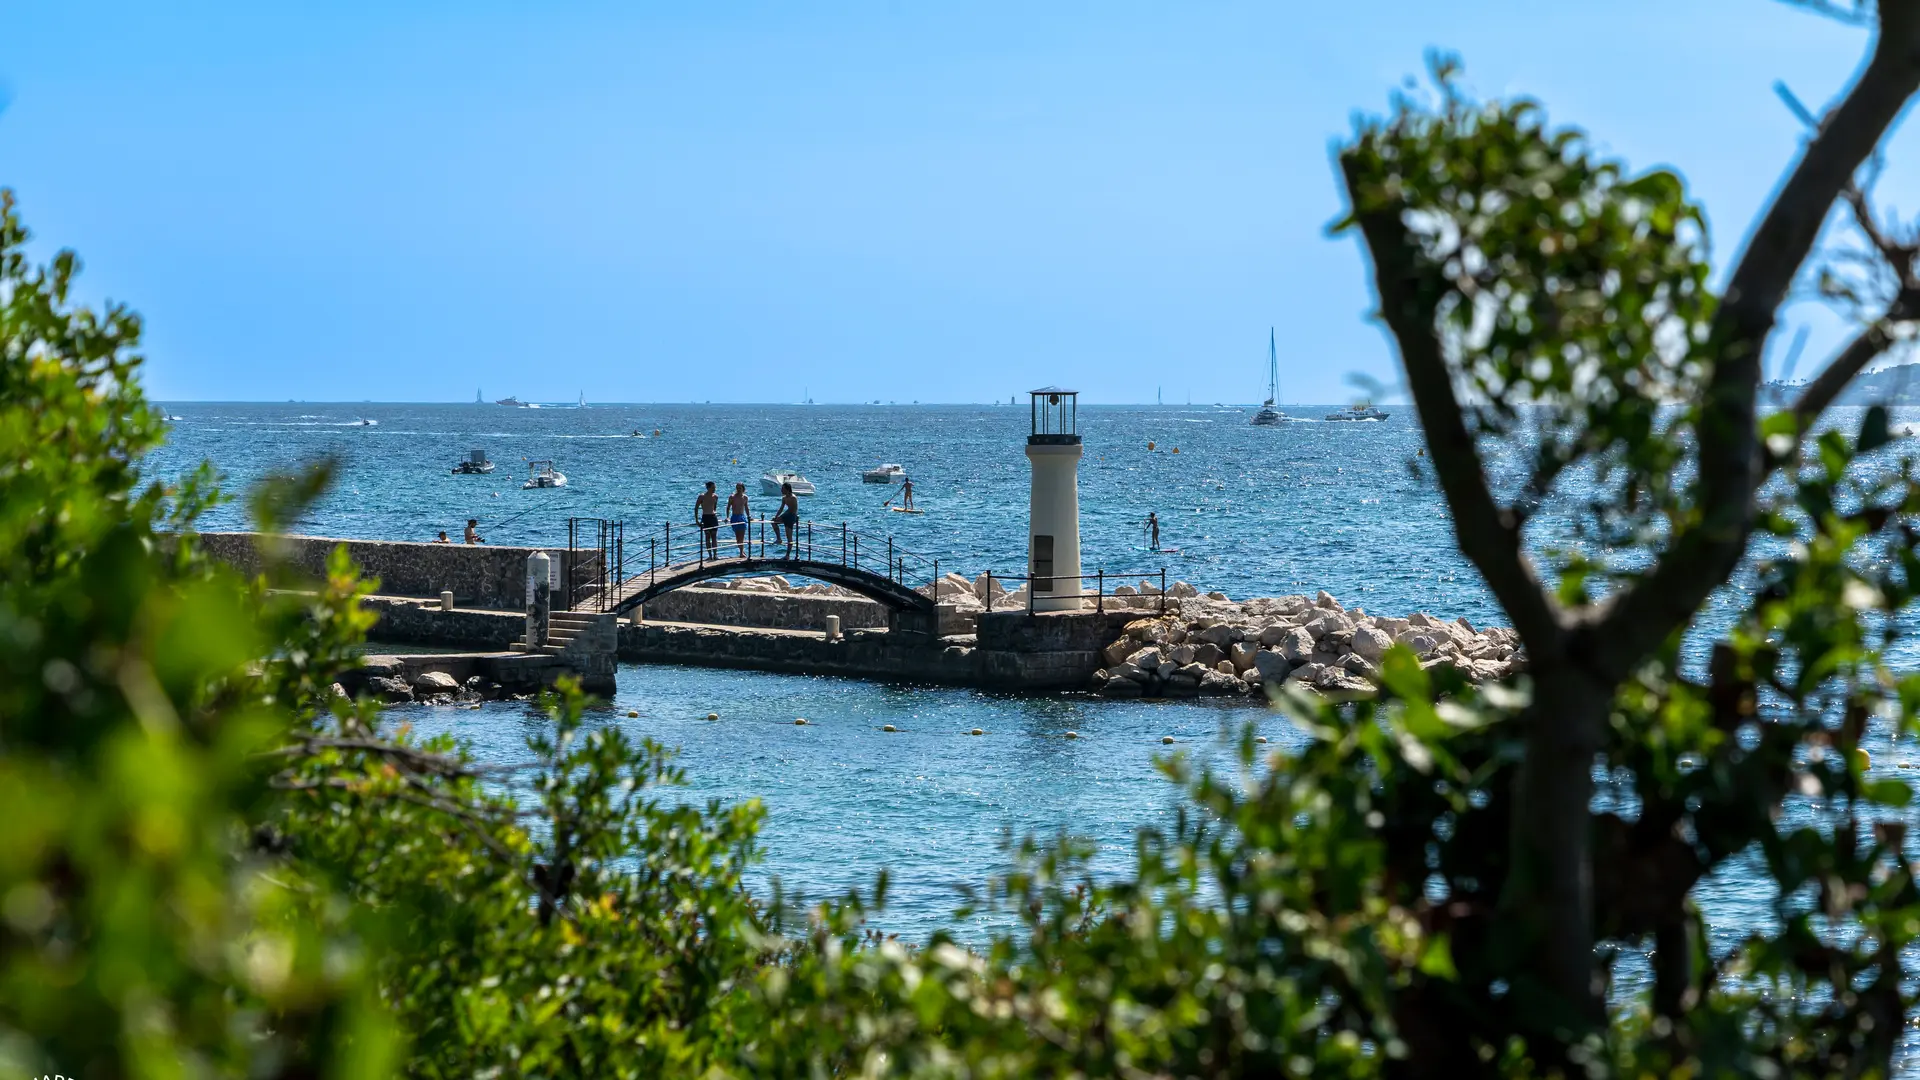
(874,586)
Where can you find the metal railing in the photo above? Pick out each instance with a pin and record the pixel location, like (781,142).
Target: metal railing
(1102,581)
(610,571)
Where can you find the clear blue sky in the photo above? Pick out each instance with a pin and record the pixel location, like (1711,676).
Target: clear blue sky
(908,200)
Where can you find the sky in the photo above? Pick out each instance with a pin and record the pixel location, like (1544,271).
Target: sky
(914,200)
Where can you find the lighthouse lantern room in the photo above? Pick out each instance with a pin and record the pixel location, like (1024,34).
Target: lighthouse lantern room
(1053,534)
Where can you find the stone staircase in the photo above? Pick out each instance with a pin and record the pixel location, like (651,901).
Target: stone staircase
(584,642)
(564,628)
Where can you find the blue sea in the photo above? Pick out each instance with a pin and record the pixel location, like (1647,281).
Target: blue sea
(1250,511)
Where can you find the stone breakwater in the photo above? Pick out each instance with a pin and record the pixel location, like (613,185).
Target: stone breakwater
(1210,645)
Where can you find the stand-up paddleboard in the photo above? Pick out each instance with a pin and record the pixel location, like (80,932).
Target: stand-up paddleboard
(904,510)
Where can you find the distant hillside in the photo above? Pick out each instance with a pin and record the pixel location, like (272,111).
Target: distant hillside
(1898,385)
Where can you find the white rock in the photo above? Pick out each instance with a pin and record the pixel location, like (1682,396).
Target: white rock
(1118,651)
(1180,590)
(1148,588)
(1326,600)
(1297,646)
(1241,656)
(1272,666)
(1226,667)
(436,682)
(780,582)
(1274,634)
(1182,655)
(1222,635)
(1126,671)
(1217,596)
(1370,643)
(1125,590)
(1147,659)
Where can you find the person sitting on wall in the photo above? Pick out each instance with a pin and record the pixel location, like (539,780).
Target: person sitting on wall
(443,538)
(473,532)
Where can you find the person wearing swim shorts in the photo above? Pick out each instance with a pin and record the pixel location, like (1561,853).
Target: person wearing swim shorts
(789,516)
(737,516)
(706,508)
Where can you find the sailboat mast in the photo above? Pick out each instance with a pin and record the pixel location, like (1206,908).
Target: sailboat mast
(1273,369)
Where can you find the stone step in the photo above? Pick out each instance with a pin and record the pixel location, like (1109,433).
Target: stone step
(550,650)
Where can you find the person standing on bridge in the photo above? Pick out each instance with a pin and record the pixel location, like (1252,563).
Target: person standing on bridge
(737,516)
(706,510)
(789,516)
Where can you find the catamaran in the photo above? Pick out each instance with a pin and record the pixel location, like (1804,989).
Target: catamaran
(1269,415)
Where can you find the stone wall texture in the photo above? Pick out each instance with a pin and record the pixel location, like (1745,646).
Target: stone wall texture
(480,575)
(728,607)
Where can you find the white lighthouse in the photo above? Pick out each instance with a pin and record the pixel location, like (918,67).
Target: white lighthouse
(1053,535)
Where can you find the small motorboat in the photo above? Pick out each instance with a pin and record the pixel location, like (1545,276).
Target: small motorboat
(885,474)
(475,464)
(771,482)
(511,402)
(1361,411)
(542,474)
(364,422)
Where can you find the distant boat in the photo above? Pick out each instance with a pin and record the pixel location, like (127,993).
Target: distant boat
(884,474)
(364,422)
(542,474)
(583,400)
(477,399)
(1268,415)
(511,402)
(770,483)
(474,464)
(1362,411)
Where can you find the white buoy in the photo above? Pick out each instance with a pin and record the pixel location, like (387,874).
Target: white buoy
(800,722)
(1073,734)
(888,727)
(713,716)
(1166,738)
(976,731)
(631,713)
(1259,738)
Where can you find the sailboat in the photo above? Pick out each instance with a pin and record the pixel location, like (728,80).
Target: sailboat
(583,400)
(1268,415)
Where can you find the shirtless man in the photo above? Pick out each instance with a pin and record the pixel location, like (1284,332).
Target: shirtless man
(1153,528)
(906,493)
(473,532)
(789,516)
(706,510)
(737,515)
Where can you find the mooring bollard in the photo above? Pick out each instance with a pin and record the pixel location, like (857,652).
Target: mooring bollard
(833,628)
(634,616)
(446,600)
(539,599)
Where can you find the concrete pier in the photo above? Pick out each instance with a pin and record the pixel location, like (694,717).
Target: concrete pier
(1008,650)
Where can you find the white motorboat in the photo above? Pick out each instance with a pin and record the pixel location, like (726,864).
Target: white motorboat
(474,464)
(1362,411)
(889,473)
(770,483)
(1268,415)
(542,474)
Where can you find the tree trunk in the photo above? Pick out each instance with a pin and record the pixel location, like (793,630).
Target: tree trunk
(1549,897)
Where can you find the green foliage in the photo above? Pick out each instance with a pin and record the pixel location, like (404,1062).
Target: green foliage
(215,864)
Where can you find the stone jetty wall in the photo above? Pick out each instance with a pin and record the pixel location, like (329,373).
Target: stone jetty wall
(479,575)
(768,607)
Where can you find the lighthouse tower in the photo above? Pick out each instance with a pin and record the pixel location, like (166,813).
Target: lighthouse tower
(1053,535)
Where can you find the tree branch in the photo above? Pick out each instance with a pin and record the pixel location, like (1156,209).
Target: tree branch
(1834,378)
(1705,551)
(1488,533)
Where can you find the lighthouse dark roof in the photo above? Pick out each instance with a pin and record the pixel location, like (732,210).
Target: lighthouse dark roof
(1053,390)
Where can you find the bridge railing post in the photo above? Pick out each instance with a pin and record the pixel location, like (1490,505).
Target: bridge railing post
(1163,590)
(1100,591)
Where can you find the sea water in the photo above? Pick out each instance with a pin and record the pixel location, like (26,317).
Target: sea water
(1251,511)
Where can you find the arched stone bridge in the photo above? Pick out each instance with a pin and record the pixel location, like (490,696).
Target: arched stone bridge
(645,586)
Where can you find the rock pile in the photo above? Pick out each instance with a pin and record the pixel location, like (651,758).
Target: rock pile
(429,687)
(777,583)
(1211,645)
